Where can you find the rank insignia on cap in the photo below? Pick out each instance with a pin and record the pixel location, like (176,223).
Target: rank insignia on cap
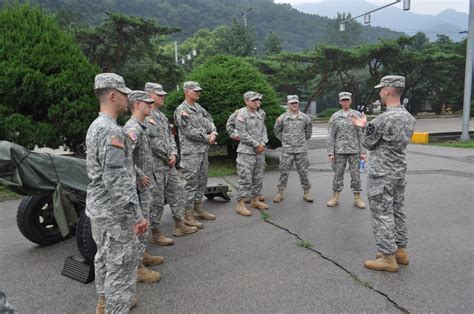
(152,121)
(117,142)
(133,136)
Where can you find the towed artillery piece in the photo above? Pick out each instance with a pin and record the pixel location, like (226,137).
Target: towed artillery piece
(54,189)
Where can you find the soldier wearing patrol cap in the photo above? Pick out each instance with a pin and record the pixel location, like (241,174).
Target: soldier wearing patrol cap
(170,186)
(196,133)
(112,202)
(250,125)
(345,147)
(293,129)
(233,134)
(140,150)
(387,137)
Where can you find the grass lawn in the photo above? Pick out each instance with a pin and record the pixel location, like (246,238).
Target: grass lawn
(454,143)
(222,165)
(6,194)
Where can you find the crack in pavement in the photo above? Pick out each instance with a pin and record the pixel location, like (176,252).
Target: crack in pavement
(354,276)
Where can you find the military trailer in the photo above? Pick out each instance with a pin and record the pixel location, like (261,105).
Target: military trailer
(54,189)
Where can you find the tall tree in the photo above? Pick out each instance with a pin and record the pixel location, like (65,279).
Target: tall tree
(46,96)
(237,40)
(348,38)
(273,44)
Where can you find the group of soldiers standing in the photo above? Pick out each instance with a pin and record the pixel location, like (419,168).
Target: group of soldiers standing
(133,171)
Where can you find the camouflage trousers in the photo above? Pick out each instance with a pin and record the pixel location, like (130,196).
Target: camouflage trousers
(286,163)
(170,187)
(389,223)
(145,197)
(339,166)
(115,266)
(195,171)
(250,169)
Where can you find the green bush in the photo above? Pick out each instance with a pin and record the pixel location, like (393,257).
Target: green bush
(225,79)
(46,95)
(328,112)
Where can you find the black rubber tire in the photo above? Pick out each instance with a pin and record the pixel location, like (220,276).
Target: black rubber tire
(35,219)
(85,241)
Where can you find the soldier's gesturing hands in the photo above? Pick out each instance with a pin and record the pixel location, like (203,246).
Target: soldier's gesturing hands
(360,122)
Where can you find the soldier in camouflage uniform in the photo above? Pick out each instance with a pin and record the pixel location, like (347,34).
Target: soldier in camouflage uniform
(293,129)
(196,133)
(232,132)
(250,125)
(345,146)
(139,148)
(170,185)
(387,137)
(112,202)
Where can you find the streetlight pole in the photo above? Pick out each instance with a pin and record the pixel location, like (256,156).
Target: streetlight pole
(468,76)
(366,15)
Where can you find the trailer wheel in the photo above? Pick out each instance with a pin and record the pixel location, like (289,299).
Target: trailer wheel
(85,242)
(35,219)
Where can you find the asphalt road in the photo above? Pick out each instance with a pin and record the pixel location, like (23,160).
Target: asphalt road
(238,264)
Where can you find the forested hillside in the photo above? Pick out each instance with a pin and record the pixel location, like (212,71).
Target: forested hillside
(297,31)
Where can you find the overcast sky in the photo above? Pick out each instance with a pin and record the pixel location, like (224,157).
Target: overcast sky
(417,6)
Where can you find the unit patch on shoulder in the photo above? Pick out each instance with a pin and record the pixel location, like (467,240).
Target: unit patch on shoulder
(370,129)
(241,118)
(184,113)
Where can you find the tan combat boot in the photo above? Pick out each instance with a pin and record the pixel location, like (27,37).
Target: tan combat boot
(189,219)
(150,260)
(200,213)
(181,229)
(100,308)
(307,196)
(159,238)
(358,201)
(241,209)
(400,255)
(334,200)
(255,203)
(279,197)
(146,275)
(247,200)
(261,198)
(384,263)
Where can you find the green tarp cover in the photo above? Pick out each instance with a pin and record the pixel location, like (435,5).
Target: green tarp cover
(30,173)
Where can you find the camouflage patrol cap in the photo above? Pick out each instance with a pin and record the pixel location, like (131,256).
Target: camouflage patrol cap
(292,98)
(111,80)
(252,96)
(139,95)
(155,88)
(391,81)
(191,85)
(345,95)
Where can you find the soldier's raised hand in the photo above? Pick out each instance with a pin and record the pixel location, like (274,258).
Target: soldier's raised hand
(359,121)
